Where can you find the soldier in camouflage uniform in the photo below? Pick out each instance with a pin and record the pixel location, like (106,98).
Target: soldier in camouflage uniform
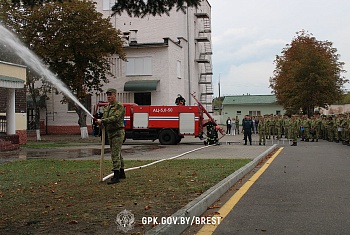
(313,129)
(347,140)
(113,121)
(324,127)
(330,129)
(294,130)
(237,125)
(278,127)
(262,130)
(345,131)
(286,126)
(318,127)
(337,129)
(272,125)
(305,123)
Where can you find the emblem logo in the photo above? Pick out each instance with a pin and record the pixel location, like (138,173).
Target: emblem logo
(125,221)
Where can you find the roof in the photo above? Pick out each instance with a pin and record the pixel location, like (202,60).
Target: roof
(8,63)
(141,85)
(11,82)
(249,99)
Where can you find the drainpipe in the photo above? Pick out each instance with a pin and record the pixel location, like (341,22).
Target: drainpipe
(188,58)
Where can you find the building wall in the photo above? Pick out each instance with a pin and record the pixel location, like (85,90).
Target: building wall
(11,70)
(231,110)
(20,102)
(175,26)
(335,109)
(181,29)
(150,28)
(16,71)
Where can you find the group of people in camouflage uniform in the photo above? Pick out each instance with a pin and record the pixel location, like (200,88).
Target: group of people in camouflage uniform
(332,128)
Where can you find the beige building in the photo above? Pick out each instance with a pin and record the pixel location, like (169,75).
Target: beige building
(13,113)
(335,109)
(252,105)
(166,56)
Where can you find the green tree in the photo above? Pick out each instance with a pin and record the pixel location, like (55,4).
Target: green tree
(141,8)
(74,40)
(138,8)
(217,103)
(307,74)
(32,3)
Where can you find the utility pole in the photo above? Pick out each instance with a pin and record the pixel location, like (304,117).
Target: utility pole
(219,96)
(219,86)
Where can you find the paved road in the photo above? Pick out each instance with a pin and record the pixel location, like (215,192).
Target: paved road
(142,150)
(306,190)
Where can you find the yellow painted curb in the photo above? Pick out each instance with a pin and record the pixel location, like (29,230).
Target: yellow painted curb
(230,204)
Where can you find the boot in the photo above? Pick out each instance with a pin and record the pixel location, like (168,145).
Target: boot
(294,144)
(115,178)
(122,174)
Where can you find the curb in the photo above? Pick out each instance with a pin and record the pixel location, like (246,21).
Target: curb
(199,205)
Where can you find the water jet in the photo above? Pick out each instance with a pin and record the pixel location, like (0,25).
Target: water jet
(34,62)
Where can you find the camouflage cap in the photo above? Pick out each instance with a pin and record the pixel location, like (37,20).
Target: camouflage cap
(111,90)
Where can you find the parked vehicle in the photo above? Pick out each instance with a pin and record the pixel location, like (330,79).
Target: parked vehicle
(168,124)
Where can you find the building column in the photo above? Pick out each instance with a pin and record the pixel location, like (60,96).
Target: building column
(10,112)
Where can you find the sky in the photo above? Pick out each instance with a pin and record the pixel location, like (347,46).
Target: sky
(247,36)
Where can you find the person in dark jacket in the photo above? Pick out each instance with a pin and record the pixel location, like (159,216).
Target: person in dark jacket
(212,133)
(247,127)
(180,100)
(228,126)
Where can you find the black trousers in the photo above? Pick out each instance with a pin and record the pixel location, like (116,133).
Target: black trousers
(247,133)
(228,130)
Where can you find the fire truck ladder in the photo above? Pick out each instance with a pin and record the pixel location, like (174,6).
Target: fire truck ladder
(206,112)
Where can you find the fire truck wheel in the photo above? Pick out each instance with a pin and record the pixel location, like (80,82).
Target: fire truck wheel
(178,139)
(167,137)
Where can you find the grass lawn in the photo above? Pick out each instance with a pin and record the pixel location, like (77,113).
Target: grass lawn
(66,197)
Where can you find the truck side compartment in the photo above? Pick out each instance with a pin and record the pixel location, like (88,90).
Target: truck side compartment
(169,124)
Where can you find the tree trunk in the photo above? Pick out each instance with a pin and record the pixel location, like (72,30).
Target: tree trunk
(82,123)
(37,120)
(38,137)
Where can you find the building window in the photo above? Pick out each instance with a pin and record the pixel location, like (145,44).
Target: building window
(71,106)
(179,69)
(113,66)
(254,113)
(278,112)
(239,112)
(142,98)
(107,5)
(139,66)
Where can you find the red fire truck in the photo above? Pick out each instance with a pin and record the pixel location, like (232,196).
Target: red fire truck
(169,124)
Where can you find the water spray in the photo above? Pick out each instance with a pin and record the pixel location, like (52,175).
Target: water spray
(33,61)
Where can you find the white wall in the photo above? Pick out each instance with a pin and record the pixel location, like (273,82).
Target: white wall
(151,29)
